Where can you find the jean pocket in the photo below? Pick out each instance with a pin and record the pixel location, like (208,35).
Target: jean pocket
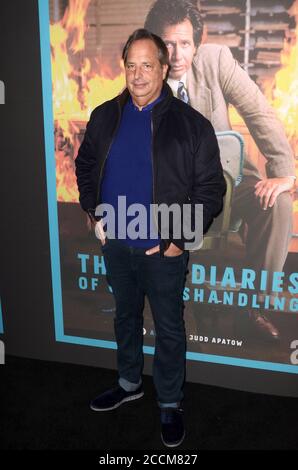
(104,246)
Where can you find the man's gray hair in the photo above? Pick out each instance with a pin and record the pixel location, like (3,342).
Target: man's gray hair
(142,33)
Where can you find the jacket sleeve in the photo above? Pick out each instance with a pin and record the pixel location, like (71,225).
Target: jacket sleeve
(85,164)
(260,118)
(208,186)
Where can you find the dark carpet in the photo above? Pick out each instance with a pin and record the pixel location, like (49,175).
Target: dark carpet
(45,405)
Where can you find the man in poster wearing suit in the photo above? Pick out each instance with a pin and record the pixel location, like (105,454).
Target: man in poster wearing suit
(207,77)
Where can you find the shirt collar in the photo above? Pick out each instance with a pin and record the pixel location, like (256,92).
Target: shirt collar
(149,106)
(175,83)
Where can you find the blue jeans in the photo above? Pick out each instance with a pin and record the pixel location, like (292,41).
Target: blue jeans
(132,274)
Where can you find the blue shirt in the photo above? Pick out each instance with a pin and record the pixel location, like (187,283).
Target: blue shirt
(128,171)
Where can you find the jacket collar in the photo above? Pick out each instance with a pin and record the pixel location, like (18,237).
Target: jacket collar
(199,94)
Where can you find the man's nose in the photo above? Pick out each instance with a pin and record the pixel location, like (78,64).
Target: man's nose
(138,72)
(177,53)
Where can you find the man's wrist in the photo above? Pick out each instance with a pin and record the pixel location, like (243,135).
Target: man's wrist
(293,182)
(92,216)
(178,244)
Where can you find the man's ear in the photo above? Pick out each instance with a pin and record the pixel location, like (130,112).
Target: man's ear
(164,71)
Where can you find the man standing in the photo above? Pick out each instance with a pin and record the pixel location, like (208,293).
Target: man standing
(150,147)
(208,78)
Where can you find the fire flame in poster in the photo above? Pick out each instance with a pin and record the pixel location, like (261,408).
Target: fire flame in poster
(79,85)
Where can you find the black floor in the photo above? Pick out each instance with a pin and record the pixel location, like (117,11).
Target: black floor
(45,405)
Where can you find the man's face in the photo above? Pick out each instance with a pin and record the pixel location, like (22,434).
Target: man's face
(181,47)
(143,71)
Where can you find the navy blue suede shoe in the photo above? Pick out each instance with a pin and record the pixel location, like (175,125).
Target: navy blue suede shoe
(114,397)
(172,426)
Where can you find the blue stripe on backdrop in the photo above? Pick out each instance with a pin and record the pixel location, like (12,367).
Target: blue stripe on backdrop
(1,319)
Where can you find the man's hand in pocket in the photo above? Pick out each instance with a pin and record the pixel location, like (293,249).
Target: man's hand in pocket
(97,226)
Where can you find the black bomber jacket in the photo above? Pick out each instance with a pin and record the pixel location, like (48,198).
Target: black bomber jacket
(185,157)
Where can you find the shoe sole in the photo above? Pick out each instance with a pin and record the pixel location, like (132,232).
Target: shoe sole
(176,444)
(127,399)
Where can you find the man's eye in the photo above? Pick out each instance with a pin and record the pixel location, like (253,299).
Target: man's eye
(148,67)
(130,66)
(185,44)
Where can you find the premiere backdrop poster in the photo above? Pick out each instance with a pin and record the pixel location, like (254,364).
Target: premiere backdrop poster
(247,263)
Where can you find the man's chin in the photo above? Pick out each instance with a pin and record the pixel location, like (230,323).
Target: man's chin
(176,74)
(139,93)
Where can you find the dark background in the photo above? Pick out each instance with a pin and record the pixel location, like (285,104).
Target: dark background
(26,291)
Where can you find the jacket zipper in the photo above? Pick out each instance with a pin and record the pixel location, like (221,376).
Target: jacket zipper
(153,186)
(107,153)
